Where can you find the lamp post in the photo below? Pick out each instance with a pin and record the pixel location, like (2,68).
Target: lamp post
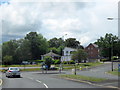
(111,44)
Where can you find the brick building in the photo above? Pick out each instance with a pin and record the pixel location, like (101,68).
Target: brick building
(92,51)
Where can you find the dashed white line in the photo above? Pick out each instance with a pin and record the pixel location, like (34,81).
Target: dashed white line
(45,85)
(38,81)
(1,82)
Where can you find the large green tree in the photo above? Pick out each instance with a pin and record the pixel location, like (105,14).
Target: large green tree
(55,42)
(9,49)
(38,44)
(23,51)
(72,42)
(109,45)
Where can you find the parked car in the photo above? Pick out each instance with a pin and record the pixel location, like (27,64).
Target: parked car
(13,72)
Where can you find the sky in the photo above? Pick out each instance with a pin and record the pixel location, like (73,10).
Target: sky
(85,20)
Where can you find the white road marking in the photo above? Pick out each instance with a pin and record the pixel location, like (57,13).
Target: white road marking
(45,85)
(31,78)
(1,82)
(38,81)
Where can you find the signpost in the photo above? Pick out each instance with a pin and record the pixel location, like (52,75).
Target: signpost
(118,67)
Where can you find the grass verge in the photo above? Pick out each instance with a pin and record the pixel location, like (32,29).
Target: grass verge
(84,78)
(114,72)
(31,69)
(82,65)
(20,65)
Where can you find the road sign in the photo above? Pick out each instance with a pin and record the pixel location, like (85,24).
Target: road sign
(119,67)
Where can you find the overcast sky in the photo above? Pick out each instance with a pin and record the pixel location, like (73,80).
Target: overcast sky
(85,20)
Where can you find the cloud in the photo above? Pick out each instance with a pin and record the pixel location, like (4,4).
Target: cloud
(85,21)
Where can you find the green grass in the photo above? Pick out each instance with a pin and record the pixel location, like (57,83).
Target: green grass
(31,69)
(85,78)
(20,65)
(82,65)
(114,72)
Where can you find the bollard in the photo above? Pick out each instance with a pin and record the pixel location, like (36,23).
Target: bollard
(73,71)
(80,68)
(86,67)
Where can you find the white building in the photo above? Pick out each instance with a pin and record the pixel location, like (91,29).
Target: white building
(67,53)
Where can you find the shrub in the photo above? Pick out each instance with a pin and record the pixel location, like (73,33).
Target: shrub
(114,57)
(65,62)
(48,61)
(57,61)
(71,62)
(104,60)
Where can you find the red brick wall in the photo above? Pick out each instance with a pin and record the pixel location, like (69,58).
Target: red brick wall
(93,52)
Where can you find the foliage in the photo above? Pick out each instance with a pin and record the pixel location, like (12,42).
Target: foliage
(104,60)
(114,57)
(30,48)
(7,60)
(71,62)
(64,62)
(72,42)
(55,42)
(38,44)
(109,45)
(79,55)
(48,61)
(57,61)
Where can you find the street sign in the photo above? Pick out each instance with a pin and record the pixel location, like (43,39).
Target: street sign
(119,67)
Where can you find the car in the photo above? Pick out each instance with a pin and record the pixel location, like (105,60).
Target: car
(13,72)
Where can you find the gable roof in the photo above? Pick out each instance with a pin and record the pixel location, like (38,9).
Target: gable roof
(72,49)
(51,54)
(96,46)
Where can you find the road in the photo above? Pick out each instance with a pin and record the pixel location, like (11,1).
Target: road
(39,80)
(49,80)
(101,72)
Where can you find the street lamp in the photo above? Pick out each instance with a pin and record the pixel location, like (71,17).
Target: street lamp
(111,46)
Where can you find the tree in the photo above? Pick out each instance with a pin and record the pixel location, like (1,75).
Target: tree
(79,55)
(7,60)
(108,45)
(72,42)
(48,61)
(38,45)
(55,42)
(23,52)
(9,49)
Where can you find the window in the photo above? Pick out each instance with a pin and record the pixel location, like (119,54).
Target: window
(66,51)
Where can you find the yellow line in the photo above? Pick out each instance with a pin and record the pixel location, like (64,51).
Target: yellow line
(1,82)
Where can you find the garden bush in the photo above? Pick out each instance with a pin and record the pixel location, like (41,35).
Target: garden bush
(71,62)
(57,61)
